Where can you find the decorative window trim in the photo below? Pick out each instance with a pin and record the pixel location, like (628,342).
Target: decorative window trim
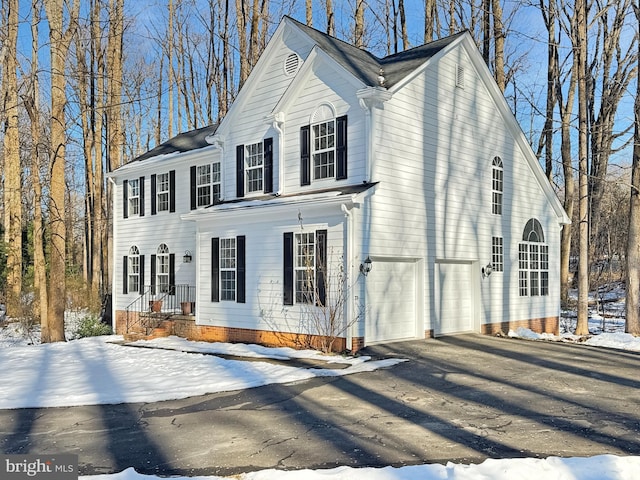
(323,151)
(252,176)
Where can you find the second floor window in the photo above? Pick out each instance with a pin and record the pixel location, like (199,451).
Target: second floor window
(162,192)
(254,160)
(323,149)
(134,197)
(207,184)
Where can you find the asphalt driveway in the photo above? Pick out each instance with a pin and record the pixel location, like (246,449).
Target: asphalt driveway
(460,398)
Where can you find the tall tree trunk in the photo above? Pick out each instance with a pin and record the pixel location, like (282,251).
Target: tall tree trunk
(32,106)
(241,19)
(358,28)
(430,16)
(170,72)
(403,25)
(60,40)
(498,45)
(13,170)
(308,12)
(632,306)
(553,76)
(486,32)
(580,48)
(331,21)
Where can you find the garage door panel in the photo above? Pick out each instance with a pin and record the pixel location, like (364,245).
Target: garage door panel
(391,302)
(454,298)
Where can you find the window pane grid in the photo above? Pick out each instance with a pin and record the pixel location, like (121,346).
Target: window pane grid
(533,264)
(207,184)
(305,267)
(134,269)
(497,257)
(254,162)
(324,137)
(134,197)
(162,190)
(228,269)
(497,186)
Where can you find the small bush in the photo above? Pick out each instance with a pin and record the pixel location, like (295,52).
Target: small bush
(91,326)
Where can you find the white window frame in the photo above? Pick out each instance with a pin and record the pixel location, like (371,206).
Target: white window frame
(207,184)
(133,196)
(133,267)
(533,262)
(497,254)
(304,265)
(497,185)
(323,149)
(228,269)
(254,167)
(162,269)
(162,192)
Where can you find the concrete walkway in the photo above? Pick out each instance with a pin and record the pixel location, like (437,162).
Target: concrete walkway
(460,399)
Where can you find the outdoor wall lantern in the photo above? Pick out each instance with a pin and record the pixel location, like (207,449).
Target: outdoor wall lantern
(365,267)
(187,257)
(488,270)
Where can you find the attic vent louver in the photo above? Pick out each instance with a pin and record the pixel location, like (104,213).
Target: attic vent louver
(459,76)
(291,64)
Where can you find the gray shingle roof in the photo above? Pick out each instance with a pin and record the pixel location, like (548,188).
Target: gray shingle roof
(182,142)
(366,66)
(361,63)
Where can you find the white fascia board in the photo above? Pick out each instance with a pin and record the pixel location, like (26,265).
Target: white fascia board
(512,124)
(164,162)
(316,58)
(247,211)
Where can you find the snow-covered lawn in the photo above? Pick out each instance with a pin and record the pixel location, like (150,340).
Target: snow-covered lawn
(65,374)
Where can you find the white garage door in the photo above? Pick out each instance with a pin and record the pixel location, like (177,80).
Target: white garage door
(391,302)
(454,298)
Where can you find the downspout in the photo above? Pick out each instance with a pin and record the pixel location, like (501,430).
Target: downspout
(349,246)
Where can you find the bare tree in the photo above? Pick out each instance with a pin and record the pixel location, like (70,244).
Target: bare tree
(331,21)
(12,167)
(430,19)
(358,26)
(632,305)
(60,39)
(580,51)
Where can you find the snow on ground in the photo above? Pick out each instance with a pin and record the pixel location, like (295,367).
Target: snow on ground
(100,370)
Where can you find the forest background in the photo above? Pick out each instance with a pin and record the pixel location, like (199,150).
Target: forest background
(89,85)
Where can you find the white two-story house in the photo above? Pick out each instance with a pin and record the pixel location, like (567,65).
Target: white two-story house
(400,190)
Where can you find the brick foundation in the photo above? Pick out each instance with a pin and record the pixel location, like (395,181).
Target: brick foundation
(538,325)
(185,326)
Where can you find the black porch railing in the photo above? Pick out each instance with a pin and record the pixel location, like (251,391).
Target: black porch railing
(154,305)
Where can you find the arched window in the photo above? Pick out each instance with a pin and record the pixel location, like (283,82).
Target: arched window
(133,269)
(323,142)
(162,268)
(497,185)
(533,261)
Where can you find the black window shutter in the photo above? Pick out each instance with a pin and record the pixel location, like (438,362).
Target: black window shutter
(125,275)
(268,165)
(305,155)
(172,273)
(240,171)
(321,265)
(141,274)
(341,148)
(153,274)
(141,180)
(154,208)
(194,193)
(215,269)
(172,191)
(241,279)
(125,199)
(288,269)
